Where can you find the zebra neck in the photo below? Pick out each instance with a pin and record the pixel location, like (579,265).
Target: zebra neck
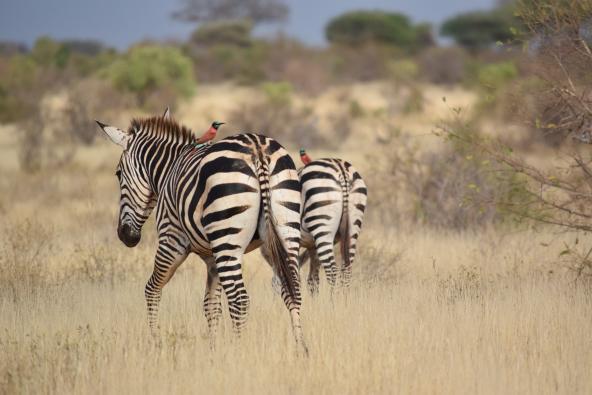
(160,164)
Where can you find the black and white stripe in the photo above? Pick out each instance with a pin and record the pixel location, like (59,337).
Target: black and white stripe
(333,202)
(216,200)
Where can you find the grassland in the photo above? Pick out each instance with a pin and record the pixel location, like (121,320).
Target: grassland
(429,311)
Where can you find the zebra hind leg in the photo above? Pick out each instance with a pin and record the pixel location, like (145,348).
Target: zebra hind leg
(325,255)
(313,280)
(229,268)
(212,303)
(346,270)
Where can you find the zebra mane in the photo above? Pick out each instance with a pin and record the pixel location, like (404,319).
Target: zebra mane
(160,126)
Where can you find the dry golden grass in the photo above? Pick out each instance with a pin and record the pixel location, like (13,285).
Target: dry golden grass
(429,312)
(491,320)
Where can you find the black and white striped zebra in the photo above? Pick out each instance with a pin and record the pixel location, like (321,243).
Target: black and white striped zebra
(334,198)
(216,200)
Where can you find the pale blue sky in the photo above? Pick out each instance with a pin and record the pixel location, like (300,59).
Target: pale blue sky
(122,22)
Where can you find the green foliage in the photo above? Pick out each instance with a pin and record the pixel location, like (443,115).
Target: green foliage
(554,16)
(232,33)
(360,27)
(86,47)
(47,52)
(18,78)
(146,69)
(405,70)
(495,76)
(356,110)
(278,94)
(480,30)
(492,189)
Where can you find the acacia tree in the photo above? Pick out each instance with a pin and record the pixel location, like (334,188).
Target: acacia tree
(480,30)
(357,28)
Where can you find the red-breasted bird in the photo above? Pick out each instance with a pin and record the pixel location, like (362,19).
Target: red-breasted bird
(304,157)
(211,133)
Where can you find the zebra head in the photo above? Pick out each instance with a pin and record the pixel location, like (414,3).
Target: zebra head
(137,198)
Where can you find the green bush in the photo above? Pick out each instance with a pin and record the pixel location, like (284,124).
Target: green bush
(278,94)
(47,52)
(495,76)
(147,69)
(223,62)
(18,81)
(405,70)
(444,65)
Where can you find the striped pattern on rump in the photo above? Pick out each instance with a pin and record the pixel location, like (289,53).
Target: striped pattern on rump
(333,202)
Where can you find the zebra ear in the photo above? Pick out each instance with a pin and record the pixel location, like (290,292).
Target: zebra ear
(118,136)
(167,113)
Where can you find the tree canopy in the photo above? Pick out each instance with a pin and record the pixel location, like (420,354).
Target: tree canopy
(479,30)
(234,33)
(360,27)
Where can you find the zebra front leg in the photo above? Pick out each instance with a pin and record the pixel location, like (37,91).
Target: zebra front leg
(168,258)
(212,303)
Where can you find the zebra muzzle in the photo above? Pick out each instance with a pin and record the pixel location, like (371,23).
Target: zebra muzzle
(128,235)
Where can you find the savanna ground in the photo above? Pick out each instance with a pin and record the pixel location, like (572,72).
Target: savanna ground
(484,311)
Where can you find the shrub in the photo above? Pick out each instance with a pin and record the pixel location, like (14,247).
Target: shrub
(223,62)
(146,69)
(83,108)
(278,94)
(306,69)
(365,63)
(493,81)
(456,187)
(443,65)
(19,80)
(47,52)
(405,70)
(497,75)
(275,114)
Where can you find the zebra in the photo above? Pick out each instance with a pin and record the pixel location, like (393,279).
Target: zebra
(218,201)
(333,200)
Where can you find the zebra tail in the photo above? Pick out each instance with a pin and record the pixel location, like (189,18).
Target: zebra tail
(344,226)
(273,243)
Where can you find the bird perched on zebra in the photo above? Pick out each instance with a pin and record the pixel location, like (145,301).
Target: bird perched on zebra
(210,134)
(218,201)
(333,202)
